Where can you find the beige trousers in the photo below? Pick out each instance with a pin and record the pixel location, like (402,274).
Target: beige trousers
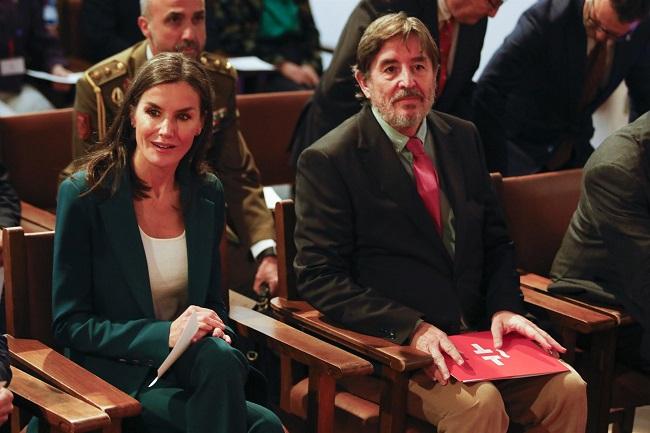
(551,403)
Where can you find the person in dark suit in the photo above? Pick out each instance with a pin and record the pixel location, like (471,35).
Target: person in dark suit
(606,249)
(535,98)
(136,255)
(465,22)
(399,235)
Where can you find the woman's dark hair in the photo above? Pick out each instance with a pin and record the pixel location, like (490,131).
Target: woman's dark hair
(105,167)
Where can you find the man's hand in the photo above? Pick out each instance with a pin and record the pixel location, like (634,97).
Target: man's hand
(6,406)
(504,322)
(304,75)
(209,323)
(430,339)
(267,272)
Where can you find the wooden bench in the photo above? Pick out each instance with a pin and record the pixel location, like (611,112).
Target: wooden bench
(267,121)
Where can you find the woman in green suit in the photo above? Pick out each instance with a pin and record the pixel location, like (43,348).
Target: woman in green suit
(136,253)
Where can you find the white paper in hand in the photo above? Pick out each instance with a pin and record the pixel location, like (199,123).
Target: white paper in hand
(183,343)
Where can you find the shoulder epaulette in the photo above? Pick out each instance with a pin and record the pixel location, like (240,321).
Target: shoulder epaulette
(106,72)
(217,63)
(97,76)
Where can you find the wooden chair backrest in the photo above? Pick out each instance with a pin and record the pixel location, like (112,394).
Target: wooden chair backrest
(267,121)
(538,209)
(285,223)
(28,283)
(35,147)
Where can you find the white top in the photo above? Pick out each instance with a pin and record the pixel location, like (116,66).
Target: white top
(167,266)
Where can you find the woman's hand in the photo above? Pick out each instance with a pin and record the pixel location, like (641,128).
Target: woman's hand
(209,323)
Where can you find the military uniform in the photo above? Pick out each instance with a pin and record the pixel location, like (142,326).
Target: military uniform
(101,91)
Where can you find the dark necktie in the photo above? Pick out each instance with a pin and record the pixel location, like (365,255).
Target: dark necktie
(444,45)
(594,73)
(426,180)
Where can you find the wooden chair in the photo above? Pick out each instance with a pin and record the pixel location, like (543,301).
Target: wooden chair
(267,121)
(56,410)
(538,210)
(395,363)
(35,147)
(28,303)
(28,264)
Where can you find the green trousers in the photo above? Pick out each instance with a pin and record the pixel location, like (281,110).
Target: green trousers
(203,392)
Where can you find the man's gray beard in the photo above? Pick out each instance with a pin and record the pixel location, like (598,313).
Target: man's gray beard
(398,121)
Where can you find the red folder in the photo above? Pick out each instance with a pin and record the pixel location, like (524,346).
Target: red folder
(518,357)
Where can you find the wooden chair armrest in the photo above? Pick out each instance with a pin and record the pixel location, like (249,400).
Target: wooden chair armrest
(57,370)
(399,358)
(540,283)
(56,407)
(36,219)
(534,281)
(570,315)
(297,345)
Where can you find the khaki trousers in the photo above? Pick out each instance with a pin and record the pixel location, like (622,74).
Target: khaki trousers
(550,403)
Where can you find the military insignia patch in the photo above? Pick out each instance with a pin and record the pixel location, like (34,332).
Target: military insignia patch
(117,96)
(217,118)
(83,125)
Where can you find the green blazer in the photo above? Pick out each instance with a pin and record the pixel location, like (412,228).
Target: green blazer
(101,300)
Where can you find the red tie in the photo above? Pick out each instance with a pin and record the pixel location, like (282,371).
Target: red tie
(444,45)
(426,180)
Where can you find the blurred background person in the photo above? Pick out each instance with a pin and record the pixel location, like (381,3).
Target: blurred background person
(280,32)
(26,44)
(605,252)
(535,99)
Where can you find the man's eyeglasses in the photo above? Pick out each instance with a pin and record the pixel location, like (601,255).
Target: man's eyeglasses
(592,23)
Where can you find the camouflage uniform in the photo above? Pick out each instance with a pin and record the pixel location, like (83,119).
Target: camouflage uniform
(101,91)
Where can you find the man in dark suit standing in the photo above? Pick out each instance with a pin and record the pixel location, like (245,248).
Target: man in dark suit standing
(535,98)
(458,26)
(399,235)
(606,249)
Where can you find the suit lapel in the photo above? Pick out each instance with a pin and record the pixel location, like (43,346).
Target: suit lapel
(122,231)
(384,167)
(199,220)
